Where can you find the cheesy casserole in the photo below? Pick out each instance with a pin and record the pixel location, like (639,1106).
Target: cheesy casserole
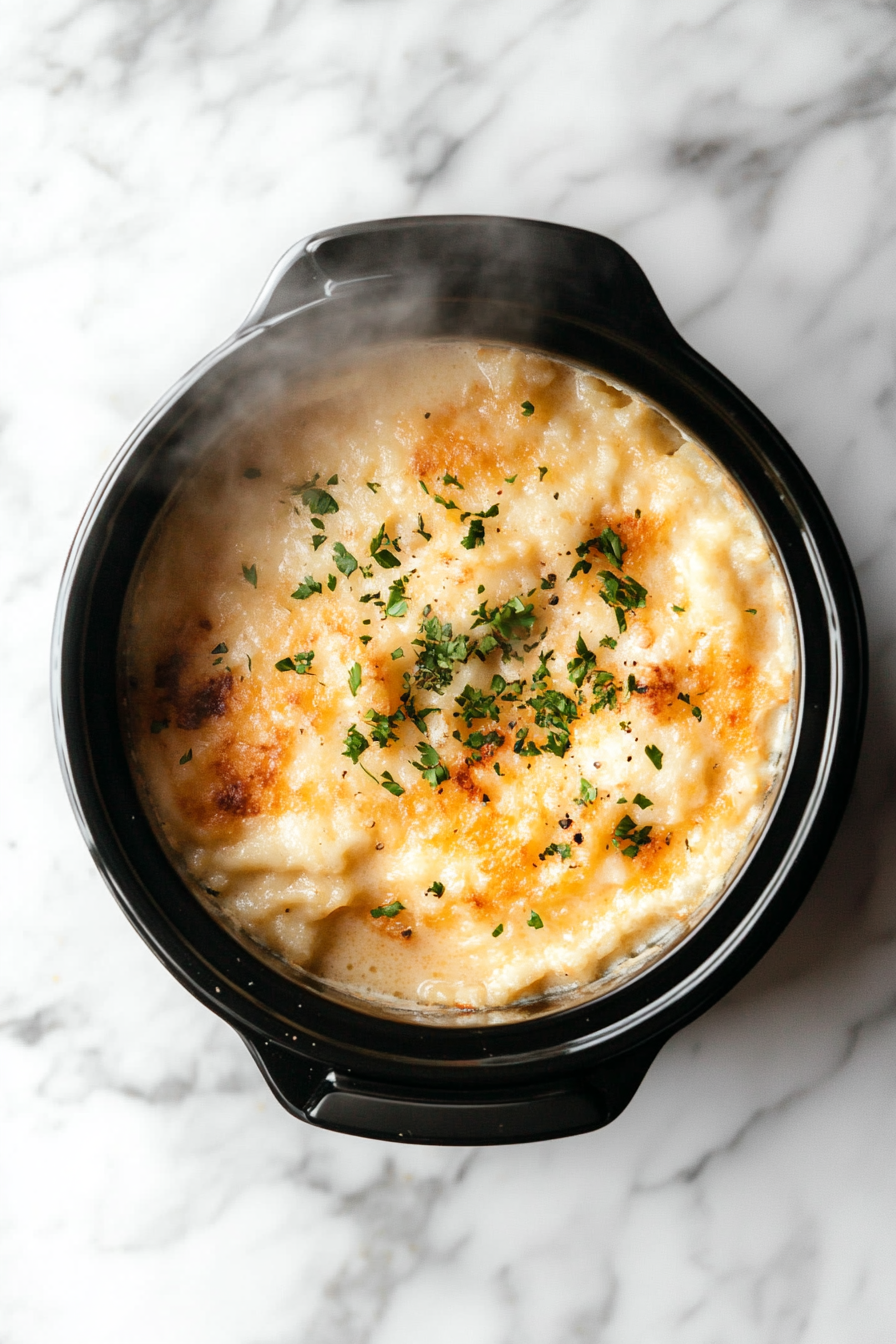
(459,678)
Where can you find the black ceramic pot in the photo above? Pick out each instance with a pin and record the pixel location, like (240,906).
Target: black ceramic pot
(577,296)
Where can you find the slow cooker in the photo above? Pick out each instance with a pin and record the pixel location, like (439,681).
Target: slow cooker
(572,1064)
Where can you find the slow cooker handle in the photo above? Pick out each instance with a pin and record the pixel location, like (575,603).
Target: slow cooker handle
(340,1101)
(549,269)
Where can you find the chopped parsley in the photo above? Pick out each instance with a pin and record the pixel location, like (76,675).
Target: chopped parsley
(373,486)
(318,540)
(158,725)
(317,500)
(384,725)
(587,793)
(606,692)
(507,623)
(396,602)
(331,581)
(583,665)
(624,594)
(475,535)
(527,408)
(249,661)
(555,711)
(564,851)
(631,836)
(440,650)
(345,562)
(187,756)
(697,713)
(387,911)
(679,610)
(445,503)
(396,654)
(416,716)
(354,678)
(252,473)
(306,588)
(334,480)
(535,921)
(510,479)
(497,930)
(476,741)
(751,611)
(391,786)
(607,643)
(475,704)
(355,745)
(433,770)
(435,889)
(220,648)
(548,582)
(379,549)
(300,664)
(421,528)
(640,801)
(451,480)
(542,472)
(655,756)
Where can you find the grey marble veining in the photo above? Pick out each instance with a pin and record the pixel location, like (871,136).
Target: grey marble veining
(157,157)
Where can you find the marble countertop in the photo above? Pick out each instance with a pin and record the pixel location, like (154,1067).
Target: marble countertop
(156,159)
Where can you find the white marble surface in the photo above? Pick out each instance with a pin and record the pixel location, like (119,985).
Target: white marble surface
(156,158)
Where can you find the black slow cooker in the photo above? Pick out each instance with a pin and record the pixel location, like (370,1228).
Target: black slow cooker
(572,1064)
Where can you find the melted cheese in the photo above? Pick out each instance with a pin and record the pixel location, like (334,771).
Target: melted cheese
(293,843)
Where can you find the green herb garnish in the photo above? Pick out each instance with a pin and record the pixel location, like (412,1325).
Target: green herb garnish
(300,664)
(345,562)
(655,756)
(396,654)
(475,535)
(331,582)
(542,472)
(396,602)
(379,549)
(640,801)
(373,486)
(435,889)
(391,786)
(307,588)
(355,744)
(187,756)
(587,793)
(535,921)
(433,770)
(751,611)
(334,480)
(627,832)
(318,540)
(451,480)
(497,931)
(220,648)
(607,643)
(387,911)
(439,651)
(510,479)
(680,610)
(421,528)
(354,678)
(526,407)
(384,725)
(315,499)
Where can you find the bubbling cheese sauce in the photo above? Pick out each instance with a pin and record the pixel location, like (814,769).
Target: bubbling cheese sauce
(462,678)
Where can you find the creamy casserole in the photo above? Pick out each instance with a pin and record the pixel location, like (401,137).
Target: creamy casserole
(459,677)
